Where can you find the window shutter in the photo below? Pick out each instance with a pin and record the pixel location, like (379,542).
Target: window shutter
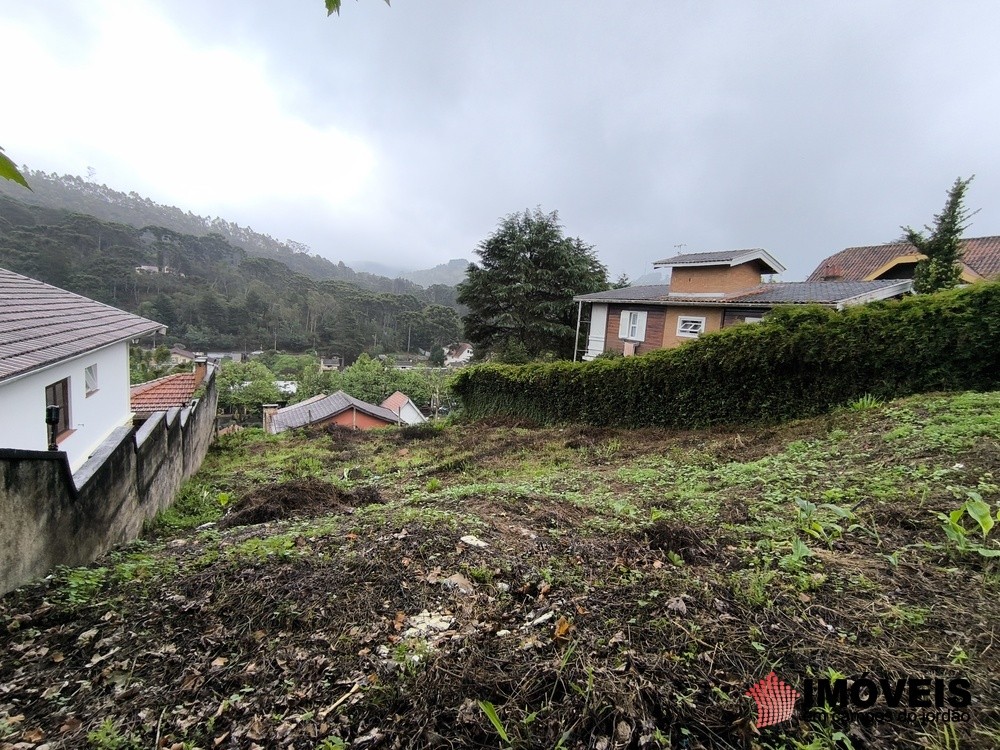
(623,324)
(641,328)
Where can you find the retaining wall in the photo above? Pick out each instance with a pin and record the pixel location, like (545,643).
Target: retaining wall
(51,517)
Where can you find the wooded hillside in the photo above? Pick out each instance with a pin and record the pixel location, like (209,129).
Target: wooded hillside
(213,295)
(78,195)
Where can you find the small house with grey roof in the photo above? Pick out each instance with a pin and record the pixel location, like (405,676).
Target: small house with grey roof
(708,292)
(61,349)
(338,408)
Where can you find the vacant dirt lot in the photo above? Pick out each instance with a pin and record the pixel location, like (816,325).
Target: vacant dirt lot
(498,585)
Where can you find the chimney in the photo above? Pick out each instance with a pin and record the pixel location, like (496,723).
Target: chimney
(832,272)
(200,370)
(269,411)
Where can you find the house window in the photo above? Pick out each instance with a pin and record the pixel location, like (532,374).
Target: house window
(690,327)
(90,380)
(752,320)
(632,329)
(632,326)
(57,394)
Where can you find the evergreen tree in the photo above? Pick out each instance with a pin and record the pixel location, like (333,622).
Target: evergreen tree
(942,244)
(437,356)
(521,292)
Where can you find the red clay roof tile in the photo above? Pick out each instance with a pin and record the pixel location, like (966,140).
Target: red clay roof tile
(980,254)
(163,393)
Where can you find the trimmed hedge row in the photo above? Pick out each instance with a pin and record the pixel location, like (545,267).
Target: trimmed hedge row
(798,362)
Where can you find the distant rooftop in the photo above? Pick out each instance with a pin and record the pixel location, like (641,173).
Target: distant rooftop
(980,254)
(319,408)
(163,393)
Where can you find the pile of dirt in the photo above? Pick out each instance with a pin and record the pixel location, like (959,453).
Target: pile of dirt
(302,498)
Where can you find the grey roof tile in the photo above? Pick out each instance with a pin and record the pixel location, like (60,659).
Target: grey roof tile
(777,293)
(718,256)
(41,324)
(318,409)
(627,294)
(810,292)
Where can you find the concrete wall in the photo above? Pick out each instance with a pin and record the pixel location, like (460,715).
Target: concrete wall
(92,418)
(52,516)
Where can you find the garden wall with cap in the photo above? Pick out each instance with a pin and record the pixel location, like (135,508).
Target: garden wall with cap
(798,362)
(51,517)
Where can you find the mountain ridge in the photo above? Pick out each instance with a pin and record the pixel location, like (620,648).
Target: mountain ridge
(73,193)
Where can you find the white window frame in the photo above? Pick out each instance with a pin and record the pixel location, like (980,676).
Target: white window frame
(632,326)
(90,382)
(686,324)
(752,319)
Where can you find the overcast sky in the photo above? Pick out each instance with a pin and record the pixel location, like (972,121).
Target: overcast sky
(402,135)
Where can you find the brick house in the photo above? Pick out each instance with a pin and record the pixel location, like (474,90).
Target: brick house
(708,292)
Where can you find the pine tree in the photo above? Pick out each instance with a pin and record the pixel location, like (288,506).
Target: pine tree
(942,244)
(520,294)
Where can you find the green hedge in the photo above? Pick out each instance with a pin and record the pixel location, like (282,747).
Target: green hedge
(798,362)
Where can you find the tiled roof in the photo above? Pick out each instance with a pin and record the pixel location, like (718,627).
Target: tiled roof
(163,393)
(181,352)
(42,324)
(320,408)
(813,292)
(722,258)
(396,401)
(981,254)
(719,256)
(778,293)
(627,294)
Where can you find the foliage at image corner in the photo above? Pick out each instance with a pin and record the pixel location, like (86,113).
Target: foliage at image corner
(799,362)
(333,6)
(9,170)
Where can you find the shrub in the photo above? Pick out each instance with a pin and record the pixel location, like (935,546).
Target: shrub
(798,362)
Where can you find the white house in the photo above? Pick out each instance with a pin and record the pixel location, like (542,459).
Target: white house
(402,406)
(458,354)
(60,349)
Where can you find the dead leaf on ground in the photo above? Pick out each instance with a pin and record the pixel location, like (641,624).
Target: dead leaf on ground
(562,629)
(70,725)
